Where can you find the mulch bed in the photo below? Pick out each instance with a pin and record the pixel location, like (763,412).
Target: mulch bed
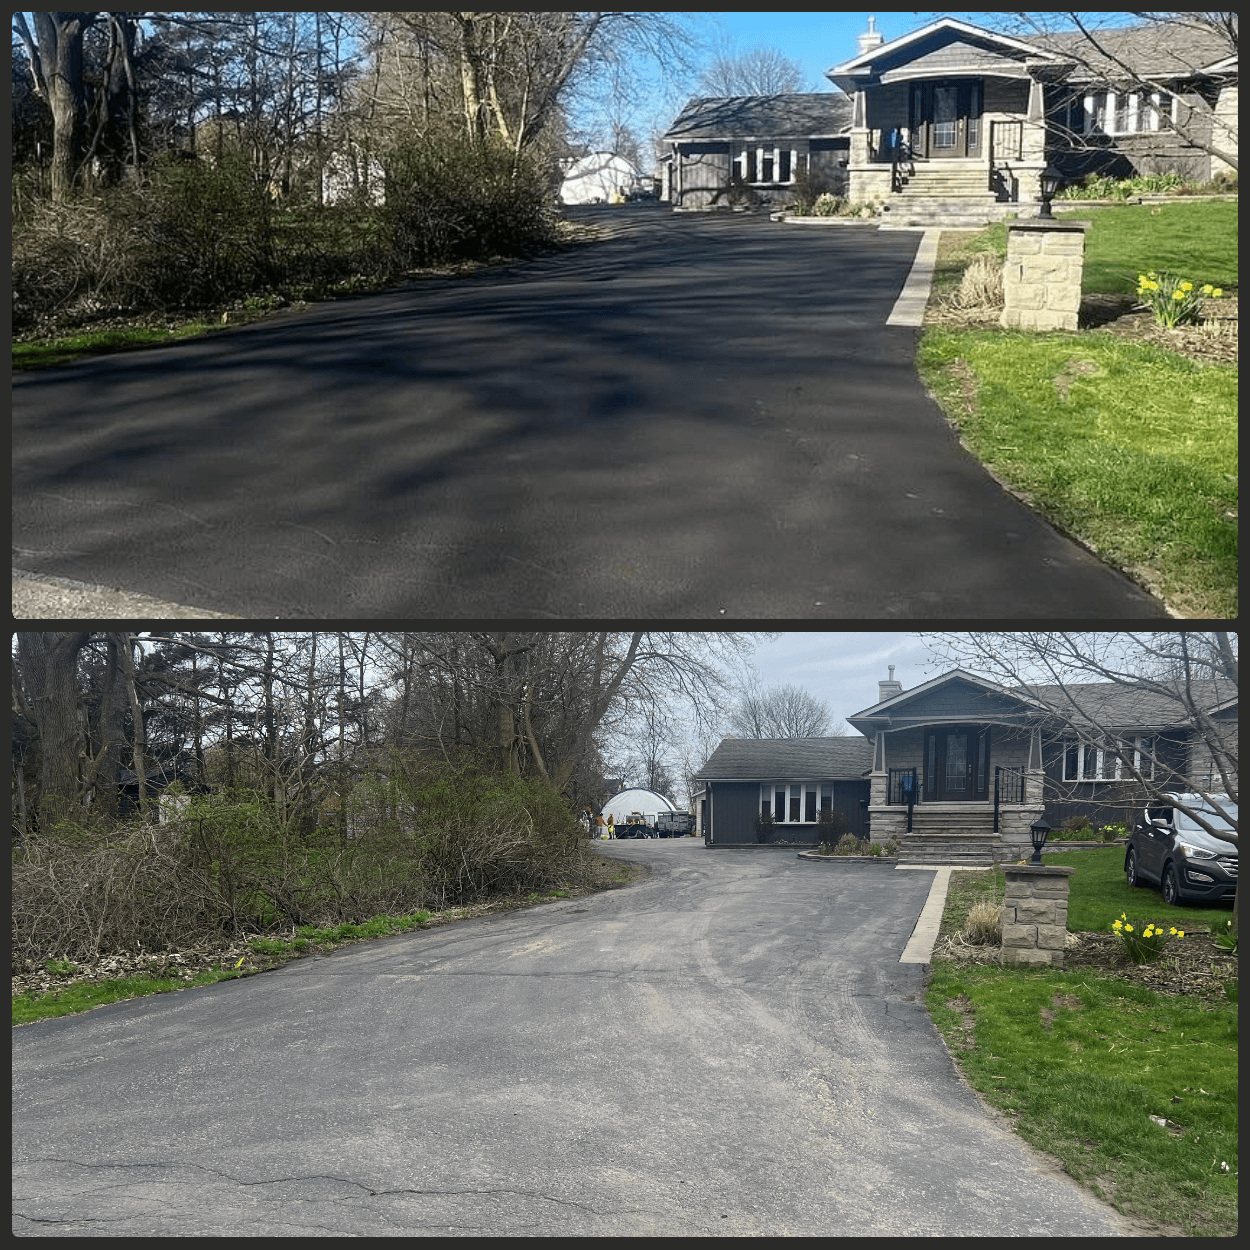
(1212,342)
(1190,967)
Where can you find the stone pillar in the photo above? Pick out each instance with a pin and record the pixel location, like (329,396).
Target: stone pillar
(1035,914)
(1042,276)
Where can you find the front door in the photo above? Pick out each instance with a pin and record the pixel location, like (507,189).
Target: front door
(946,118)
(956,764)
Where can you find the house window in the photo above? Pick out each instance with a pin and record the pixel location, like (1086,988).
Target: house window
(1086,761)
(783,173)
(796,801)
(766,166)
(749,159)
(809,804)
(795,804)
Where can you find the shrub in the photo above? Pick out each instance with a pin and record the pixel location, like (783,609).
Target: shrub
(422,834)
(828,205)
(451,200)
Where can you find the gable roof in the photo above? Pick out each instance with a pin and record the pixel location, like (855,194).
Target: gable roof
(1134,707)
(1109,704)
(792,115)
(1174,49)
(785,759)
(864,64)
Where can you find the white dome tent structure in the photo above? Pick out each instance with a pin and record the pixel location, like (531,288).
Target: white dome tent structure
(648,802)
(598,178)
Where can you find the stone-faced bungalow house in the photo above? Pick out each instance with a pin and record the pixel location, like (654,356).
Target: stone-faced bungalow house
(960,767)
(952,118)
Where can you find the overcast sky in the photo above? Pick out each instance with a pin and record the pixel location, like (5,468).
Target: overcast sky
(843,669)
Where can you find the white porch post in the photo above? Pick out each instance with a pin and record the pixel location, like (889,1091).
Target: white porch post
(1034,778)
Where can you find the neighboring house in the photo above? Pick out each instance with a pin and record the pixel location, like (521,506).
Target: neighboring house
(351,176)
(955,119)
(721,151)
(600,177)
(965,763)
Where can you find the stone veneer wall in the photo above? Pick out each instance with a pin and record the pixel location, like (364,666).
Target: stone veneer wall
(1035,914)
(1042,276)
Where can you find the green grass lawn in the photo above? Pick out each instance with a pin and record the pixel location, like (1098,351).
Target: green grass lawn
(1128,448)
(84,995)
(44,353)
(1081,1062)
(1194,238)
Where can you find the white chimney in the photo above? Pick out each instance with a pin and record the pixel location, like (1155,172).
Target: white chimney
(888,689)
(871,38)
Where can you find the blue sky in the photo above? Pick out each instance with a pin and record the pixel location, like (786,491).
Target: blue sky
(816,40)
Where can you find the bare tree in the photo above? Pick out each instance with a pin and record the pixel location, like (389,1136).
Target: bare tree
(1191,675)
(1103,50)
(756,71)
(783,712)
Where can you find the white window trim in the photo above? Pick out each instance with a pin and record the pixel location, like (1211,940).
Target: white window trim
(768,789)
(1104,756)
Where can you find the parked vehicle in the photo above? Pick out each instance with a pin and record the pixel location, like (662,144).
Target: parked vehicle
(1170,849)
(635,826)
(674,824)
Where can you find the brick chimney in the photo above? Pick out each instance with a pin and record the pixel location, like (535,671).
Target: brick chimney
(888,689)
(871,38)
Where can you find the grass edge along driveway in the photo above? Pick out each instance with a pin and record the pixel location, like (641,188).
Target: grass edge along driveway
(1081,1061)
(1128,449)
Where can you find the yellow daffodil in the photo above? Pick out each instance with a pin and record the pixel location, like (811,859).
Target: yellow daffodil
(1178,294)
(1187,287)
(1128,928)
(1217,292)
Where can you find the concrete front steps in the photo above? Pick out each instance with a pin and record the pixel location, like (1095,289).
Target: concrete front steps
(946,196)
(968,850)
(951,833)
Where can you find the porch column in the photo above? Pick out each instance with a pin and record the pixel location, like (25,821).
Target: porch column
(878,779)
(1034,778)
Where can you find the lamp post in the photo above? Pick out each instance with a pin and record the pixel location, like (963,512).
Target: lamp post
(1038,832)
(1048,182)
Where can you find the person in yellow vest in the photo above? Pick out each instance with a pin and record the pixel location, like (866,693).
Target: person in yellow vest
(611,826)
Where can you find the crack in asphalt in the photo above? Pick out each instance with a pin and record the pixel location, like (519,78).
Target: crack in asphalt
(315,1176)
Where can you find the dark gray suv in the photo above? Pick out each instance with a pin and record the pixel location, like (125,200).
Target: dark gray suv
(1170,849)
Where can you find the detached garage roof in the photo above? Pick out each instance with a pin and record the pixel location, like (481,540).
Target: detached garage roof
(792,116)
(781,759)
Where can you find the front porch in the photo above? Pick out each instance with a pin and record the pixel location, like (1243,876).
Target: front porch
(948,800)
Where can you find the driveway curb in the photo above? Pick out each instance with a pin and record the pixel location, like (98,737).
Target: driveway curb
(919,948)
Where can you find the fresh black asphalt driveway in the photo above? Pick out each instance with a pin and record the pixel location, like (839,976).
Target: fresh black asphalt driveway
(730,1046)
(699,418)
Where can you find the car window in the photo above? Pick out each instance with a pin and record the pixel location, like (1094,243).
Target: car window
(1182,821)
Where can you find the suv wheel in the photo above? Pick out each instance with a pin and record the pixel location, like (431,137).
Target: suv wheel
(1171,887)
(1130,870)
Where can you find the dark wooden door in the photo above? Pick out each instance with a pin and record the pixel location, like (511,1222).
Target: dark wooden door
(946,118)
(956,764)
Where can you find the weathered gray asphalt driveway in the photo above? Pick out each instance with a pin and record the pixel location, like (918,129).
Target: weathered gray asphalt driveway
(702,418)
(730,1046)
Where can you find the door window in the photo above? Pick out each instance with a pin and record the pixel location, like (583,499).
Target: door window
(945,118)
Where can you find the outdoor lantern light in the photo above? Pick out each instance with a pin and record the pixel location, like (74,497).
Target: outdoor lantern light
(1048,180)
(1038,833)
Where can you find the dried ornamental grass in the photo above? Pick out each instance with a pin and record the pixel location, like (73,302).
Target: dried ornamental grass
(984,926)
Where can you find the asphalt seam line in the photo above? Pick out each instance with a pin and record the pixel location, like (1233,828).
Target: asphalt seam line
(909,307)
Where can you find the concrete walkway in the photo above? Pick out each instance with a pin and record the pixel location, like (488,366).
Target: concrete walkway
(919,948)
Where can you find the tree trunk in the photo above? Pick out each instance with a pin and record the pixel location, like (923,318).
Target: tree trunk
(50,678)
(136,714)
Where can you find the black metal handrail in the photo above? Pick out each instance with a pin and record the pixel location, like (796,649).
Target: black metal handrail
(1008,788)
(903,788)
